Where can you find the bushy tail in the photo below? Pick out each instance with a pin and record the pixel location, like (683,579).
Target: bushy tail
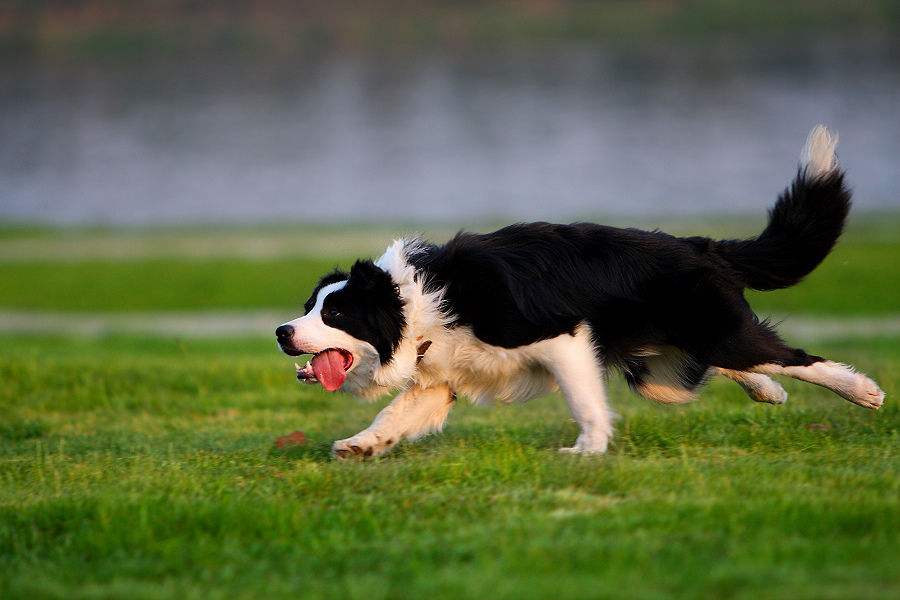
(804,224)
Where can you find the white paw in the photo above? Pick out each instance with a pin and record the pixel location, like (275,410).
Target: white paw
(762,388)
(364,445)
(771,394)
(587,445)
(867,393)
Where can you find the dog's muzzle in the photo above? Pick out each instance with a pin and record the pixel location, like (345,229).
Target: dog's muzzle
(284,334)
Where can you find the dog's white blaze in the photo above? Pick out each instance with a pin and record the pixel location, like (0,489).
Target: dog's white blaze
(818,155)
(310,332)
(323,293)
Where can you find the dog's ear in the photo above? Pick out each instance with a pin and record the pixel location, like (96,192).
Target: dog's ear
(366,276)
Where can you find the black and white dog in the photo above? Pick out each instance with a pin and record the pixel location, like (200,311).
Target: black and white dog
(515,313)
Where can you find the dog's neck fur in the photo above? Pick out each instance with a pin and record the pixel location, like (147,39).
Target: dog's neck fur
(422,310)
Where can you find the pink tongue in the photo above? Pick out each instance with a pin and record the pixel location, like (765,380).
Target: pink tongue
(329,369)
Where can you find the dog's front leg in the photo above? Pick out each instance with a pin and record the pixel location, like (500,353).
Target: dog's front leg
(411,415)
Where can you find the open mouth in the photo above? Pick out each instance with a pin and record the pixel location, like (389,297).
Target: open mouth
(328,367)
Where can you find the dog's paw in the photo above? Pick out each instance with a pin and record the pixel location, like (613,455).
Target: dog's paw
(587,445)
(769,392)
(867,393)
(364,444)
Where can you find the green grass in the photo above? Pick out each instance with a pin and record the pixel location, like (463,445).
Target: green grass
(861,277)
(160,284)
(145,468)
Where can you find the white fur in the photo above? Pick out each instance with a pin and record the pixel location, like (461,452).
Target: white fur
(312,335)
(841,379)
(818,155)
(458,362)
(422,310)
(483,372)
(455,356)
(576,367)
(758,386)
(414,413)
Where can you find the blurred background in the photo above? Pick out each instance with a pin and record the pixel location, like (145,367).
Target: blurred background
(433,112)
(236,150)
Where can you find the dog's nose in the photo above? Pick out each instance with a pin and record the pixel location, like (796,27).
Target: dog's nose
(284,333)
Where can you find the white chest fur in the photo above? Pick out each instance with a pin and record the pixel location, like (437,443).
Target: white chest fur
(484,372)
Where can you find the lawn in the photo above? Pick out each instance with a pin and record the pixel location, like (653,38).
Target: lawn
(145,467)
(276,268)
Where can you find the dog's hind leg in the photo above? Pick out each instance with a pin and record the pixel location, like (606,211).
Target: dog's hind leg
(841,379)
(758,349)
(411,415)
(667,375)
(759,387)
(573,361)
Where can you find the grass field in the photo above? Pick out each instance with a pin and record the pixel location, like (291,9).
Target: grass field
(140,271)
(144,467)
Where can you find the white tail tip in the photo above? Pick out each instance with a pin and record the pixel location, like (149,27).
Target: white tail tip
(818,154)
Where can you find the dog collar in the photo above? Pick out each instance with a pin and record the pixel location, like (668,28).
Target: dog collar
(421,350)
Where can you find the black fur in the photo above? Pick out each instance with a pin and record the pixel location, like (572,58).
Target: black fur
(637,370)
(804,225)
(332,277)
(369,307)
(639,289)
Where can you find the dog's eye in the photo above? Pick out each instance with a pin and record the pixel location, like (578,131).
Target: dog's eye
(332,313)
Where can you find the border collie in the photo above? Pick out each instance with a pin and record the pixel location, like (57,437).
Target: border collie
(530,308)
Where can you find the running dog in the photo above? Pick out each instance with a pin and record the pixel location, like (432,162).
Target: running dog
(530,308)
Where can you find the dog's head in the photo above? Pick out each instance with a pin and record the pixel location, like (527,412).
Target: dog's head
(353,324)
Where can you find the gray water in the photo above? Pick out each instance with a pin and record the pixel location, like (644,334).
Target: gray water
(558,134)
